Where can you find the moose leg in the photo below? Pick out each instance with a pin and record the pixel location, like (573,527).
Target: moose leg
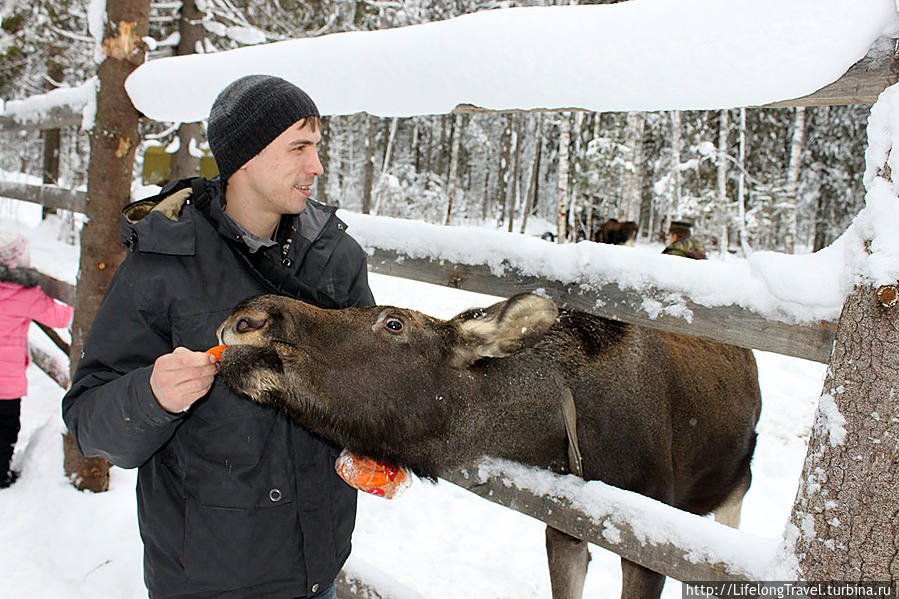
(638,582)
(728,513)
(568,558)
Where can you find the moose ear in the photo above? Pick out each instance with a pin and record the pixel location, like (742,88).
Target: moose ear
(502,329)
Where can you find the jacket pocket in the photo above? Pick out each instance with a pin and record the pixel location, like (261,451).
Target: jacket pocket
(229,548)
(240,513)
(236,454)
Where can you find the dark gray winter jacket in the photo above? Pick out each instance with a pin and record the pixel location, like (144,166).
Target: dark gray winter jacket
(234,500)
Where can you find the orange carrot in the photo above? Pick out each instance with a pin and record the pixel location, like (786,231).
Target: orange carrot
(216,351)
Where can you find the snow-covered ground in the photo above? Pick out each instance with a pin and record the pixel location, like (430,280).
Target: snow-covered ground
(438,540)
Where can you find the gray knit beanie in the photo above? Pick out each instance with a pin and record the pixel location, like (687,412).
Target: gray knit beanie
(248,114)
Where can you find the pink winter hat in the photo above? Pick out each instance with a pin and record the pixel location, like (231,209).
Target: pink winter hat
(14,250)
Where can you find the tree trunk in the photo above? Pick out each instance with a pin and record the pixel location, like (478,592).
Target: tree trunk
(632,179)
(52,136)
(574,187)
(845,511)
(454,167)
(674,204)
(324,156)
(416,144)
(723,128)
(190,28)
(504,170)
(531,199)
(513,193)
(793,178)
(741,187)
(388,152)
(114,139)
(368,169)
(562,205)
(385,165)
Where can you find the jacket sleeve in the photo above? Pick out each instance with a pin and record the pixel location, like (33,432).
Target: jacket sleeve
(48,311)
(110,408)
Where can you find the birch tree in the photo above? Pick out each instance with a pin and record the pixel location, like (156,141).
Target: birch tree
(723,156)
(512,192)
(368,168)
(562,189)
(741,186)
(454,166)
(674,203)
(575,177)
(504,167)
(534,179)
(792,187)
(633,181)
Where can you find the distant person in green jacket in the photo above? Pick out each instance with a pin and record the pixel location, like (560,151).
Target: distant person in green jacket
(681,242)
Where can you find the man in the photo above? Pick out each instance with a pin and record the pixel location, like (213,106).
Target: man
(681,243)
(234,500)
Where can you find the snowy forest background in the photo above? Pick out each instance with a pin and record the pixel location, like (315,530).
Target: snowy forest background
(786,179)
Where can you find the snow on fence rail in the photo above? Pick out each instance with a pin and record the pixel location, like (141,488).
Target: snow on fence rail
(51,365)
(762,303)
(727,324)
(663,538)
(68,107)
(63,107)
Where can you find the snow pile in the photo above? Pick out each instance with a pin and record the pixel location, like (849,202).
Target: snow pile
(791,288)
(878,261)
(638,55)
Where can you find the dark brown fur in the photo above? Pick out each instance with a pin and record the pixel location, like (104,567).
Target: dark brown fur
(617,232)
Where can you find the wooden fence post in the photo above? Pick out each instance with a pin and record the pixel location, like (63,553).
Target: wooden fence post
(844,518)
(844,522)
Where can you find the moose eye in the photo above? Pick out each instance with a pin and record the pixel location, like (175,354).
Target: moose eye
(394,324)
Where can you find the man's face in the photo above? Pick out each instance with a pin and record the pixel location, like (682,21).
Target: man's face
(282,174)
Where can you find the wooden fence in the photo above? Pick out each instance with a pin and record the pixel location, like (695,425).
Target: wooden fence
(861,84)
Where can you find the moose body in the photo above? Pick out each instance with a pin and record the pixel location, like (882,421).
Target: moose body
(668,416)
(617,232)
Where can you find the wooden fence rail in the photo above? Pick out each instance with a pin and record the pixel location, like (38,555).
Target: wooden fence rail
(679,549)
(727,324)
(48,196)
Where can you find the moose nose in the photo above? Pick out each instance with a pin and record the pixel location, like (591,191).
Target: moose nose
(247,324)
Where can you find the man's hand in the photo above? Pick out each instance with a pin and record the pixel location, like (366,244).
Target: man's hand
(181,378)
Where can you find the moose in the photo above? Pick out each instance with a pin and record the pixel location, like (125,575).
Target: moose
(617,232)
(669,416)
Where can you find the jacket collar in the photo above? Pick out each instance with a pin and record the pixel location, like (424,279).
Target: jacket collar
(160,224)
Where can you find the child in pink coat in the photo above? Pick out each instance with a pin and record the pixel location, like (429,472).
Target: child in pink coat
(21,301)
